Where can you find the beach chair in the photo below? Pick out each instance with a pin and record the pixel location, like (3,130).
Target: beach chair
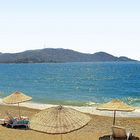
(16,122)
(10,119)
(119,133)
(19,123)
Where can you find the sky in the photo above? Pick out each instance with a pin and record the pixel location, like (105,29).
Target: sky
(88,26)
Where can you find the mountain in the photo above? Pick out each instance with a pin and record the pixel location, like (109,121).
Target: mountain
(49,55)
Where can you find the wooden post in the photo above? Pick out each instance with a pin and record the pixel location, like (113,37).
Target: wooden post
(61,137)
(114,117)
(19,110)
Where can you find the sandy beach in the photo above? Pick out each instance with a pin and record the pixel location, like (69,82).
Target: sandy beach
(97,127)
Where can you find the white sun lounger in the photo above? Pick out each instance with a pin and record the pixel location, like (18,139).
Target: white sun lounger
(119,133)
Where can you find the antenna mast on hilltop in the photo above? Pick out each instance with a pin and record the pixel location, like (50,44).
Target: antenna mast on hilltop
(44,46)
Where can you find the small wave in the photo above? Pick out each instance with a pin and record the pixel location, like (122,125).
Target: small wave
(135,101)
(91,103)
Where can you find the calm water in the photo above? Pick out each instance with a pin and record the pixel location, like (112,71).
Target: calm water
(73,83)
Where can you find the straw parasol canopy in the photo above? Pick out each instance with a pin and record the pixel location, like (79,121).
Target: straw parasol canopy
(58,120)
(116,105)
(16,98)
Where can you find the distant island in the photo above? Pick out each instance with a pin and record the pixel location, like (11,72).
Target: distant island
(50,55)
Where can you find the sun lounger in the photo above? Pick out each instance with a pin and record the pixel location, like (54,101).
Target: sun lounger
(19,123)
(15,122)
(107,137)
(3,121)
(119,133)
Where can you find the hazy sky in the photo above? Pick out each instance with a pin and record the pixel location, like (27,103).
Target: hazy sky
(88,26)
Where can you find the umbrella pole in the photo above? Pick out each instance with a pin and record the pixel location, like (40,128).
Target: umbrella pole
(19,110)
(61,137)
(114,117)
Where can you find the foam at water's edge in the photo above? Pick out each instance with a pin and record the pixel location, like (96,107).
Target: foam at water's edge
(85,109)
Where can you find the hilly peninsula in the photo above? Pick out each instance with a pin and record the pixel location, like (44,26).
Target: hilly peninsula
(50,55)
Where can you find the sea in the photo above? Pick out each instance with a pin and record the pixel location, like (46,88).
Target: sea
(75,84)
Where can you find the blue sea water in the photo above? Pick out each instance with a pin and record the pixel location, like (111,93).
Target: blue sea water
(73,83)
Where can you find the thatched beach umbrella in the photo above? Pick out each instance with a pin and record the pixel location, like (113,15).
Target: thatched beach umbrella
(16,98)
(58,120)
(116,105)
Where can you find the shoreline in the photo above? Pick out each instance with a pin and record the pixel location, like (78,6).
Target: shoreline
(85,109)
